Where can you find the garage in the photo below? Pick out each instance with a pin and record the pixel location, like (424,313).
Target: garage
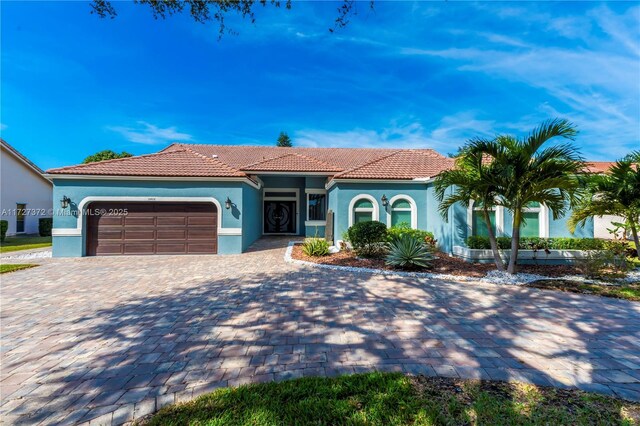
(139,228)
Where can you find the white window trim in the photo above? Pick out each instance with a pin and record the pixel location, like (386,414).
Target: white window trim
(375,210)
(310,222)
(283,198)
(79,229)
(413,209)
(499,218)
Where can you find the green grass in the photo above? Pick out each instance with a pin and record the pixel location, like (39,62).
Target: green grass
(395,399)
(24,243)
(15,267)
(627,291)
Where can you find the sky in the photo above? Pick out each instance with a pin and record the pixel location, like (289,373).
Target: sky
(405,74)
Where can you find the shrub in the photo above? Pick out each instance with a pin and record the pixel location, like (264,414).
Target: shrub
(368,238)
(44,226)
(398,231)
(315,247)
(534,243)
(604,264)
(4,225)
(408,252)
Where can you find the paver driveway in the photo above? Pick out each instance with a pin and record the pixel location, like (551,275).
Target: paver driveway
(107,339)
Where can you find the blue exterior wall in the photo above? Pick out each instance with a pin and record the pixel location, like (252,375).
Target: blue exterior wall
(77,190)
(252,217)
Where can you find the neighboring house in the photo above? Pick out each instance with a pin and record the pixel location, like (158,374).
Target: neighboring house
(220,198)
(25,192)
(602,224)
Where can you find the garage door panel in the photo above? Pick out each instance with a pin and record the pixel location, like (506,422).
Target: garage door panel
(171,234)
(153,228)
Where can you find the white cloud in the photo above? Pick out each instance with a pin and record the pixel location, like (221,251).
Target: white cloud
(149,134)
(445,136)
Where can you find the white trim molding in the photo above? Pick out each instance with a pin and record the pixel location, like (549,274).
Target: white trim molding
(79,229)
(543,219)
(413,209)
(499,219)
(420,181)
(375,211)
(315,223)
(248,181)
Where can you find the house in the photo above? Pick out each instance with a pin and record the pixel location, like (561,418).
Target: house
(219,199)
(25,192)
(602,224)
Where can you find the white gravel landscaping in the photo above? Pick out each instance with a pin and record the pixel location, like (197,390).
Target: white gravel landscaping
(492,277)
(25,256)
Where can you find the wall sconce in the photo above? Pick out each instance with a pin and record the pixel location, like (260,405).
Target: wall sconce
(64,203)
(385,201)
(227,204)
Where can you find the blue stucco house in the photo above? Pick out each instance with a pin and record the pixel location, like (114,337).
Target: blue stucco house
(192,199)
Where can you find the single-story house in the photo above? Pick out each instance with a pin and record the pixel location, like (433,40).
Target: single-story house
(190,199)
(25,193)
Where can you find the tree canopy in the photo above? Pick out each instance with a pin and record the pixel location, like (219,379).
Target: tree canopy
(107,154)
(284,141)
(204,11)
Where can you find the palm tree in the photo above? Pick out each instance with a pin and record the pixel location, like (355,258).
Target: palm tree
(530,173)
(615,193)
(471,180)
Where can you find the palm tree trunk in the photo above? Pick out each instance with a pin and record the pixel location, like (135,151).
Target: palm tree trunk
(515,242)
(634,233)
(492,240)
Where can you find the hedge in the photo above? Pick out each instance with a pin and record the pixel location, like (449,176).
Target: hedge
(44,226)
(528,243)
(4,225)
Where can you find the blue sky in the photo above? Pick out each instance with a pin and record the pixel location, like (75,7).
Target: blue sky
(408,74)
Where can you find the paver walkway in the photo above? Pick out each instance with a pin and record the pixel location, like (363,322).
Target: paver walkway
(109,339)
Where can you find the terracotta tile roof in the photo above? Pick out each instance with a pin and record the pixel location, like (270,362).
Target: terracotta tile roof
(293,162)
(401,164)
(599,166)
(174,163)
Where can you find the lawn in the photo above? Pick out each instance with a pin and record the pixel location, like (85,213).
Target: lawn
(396,399)
(24,243)
(628,291)
(15,267)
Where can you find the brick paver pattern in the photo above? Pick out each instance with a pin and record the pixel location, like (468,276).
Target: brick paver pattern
(107,340)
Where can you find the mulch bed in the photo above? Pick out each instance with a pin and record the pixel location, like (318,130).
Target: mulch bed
(444,264)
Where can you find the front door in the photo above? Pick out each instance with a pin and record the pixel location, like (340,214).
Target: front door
(279,217)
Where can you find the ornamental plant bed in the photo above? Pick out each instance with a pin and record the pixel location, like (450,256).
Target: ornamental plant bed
(625,291)
(443,264)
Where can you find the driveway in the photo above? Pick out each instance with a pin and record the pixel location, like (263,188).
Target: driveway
(110,339)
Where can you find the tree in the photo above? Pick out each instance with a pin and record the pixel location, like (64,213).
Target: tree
(527,173)
(107,154)
(284,141)
(616,192)
(472,179)
(216,10)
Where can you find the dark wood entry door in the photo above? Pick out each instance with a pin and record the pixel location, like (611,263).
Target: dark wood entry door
(116,228)
(279,217)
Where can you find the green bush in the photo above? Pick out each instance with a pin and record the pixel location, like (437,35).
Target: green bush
(44,226)
(315,247)
(534,243)
(398,231)
(408,252)
(368,238)
(4,225)
(604,264)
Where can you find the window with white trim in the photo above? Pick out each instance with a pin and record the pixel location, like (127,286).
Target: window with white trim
(478,225)
(316,205)
(401,212)
(363,211)
(532,220)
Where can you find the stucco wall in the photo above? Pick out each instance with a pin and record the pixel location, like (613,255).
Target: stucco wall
(252,215)
(78,190)
(21,184)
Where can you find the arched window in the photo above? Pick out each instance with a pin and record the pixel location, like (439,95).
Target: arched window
(476,223)
(402,209)
(534,223)
(363,208)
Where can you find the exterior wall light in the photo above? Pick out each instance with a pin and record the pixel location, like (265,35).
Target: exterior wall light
(227,204)
(385,200)
(64,203)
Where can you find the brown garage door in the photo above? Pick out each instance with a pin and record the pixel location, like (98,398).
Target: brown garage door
(151,228)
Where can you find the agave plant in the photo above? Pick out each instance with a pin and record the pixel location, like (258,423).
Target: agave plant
(408,252)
